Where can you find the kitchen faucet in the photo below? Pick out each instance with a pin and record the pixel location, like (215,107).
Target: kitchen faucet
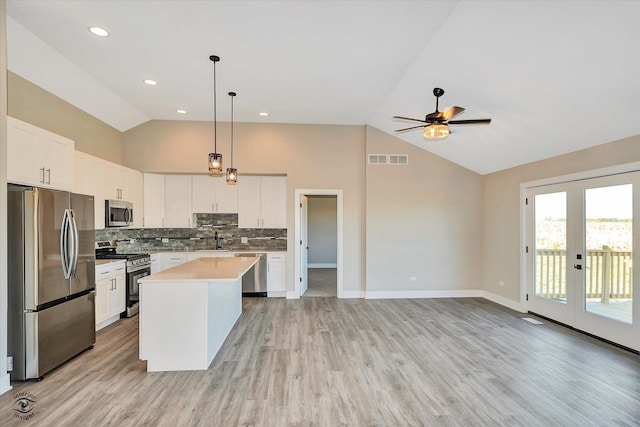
(217,239)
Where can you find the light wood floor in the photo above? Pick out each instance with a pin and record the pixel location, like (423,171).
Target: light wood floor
(330,362)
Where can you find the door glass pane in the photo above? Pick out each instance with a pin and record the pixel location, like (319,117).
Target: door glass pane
(551,246)
(609,243)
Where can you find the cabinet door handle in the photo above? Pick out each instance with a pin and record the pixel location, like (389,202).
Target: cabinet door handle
(41,175)
(262,223)
(48,176)
(217,210)
(258,222)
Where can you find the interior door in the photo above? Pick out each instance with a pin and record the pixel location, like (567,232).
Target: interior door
(304,245)
(582,244)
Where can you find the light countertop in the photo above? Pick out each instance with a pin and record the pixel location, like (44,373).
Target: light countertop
(100,262)
(204,270)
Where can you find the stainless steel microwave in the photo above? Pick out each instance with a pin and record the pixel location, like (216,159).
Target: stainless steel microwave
(118,213)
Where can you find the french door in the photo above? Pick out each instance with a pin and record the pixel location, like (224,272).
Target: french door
(582,240)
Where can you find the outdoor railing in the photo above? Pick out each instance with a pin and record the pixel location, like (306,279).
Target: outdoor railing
(608,274)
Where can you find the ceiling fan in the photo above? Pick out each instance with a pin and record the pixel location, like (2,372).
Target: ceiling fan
(436,124)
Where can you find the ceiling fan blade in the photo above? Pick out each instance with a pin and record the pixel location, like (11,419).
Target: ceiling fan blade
(405,129)
(452,112)
(470,122)
(408,118)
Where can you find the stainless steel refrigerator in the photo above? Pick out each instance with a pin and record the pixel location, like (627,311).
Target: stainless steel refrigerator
(51,276)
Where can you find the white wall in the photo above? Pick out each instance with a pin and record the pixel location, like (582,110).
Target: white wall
(322,230)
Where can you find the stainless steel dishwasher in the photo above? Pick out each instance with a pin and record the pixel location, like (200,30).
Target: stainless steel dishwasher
(254,281)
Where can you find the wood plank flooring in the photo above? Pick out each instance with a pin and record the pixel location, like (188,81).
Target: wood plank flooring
(330,362)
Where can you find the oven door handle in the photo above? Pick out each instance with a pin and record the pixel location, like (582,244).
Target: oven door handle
(139,268)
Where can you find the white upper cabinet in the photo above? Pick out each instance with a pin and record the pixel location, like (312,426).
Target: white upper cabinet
(133,192)
(262,202)
(88,180)
(153,200)
(213,195)
(38,157)
(177,201)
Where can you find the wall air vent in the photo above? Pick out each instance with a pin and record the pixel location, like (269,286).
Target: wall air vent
(388,159)
(378,159)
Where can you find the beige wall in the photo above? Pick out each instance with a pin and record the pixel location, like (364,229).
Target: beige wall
(312,157)
(322,229)
(34,105)
(502,246)
(423,220)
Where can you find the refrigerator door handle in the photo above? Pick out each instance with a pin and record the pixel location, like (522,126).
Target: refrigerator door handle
(64,245)
(74,244)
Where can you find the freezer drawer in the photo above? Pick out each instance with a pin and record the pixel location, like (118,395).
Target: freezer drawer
(54,335)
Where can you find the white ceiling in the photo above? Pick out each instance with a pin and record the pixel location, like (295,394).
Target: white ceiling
(554,76)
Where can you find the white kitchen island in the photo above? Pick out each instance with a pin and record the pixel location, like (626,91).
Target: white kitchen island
(186,312)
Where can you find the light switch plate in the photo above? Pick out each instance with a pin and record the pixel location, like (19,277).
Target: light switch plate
(244,240)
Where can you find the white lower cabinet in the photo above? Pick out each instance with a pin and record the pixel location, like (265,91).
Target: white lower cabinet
(172,259)
(276,274)
(155,263)
(111,285)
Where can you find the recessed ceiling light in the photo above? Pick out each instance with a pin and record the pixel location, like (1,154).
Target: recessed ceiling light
(100,32)
(150,82)
(181,111)
(263,114)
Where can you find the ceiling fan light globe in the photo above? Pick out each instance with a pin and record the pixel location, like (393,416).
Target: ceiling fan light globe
(436,131)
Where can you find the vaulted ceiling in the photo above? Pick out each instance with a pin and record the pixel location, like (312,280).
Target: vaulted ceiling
(555,76)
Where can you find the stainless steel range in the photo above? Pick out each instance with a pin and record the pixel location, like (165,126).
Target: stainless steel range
(138,266)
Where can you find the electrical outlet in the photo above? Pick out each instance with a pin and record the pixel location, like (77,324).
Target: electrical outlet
(9,364)
(132,240)
(165,240)
(244,240)
(413,278)
(501,283)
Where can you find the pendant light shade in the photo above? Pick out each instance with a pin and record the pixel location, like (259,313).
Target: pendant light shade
(215,158)
(232,173)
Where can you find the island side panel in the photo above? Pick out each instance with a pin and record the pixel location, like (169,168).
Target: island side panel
(173,323)
(225,307)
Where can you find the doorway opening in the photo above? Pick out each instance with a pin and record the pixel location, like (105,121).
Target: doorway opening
(319,238)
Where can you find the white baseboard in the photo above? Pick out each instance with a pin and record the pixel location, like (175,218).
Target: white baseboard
(276,294)
(423,294)
(292,295)
(513,305)
(351,294)
(107,322)
(322,265)
(5,383)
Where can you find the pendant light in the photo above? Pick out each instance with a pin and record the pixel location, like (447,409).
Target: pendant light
(232,173)
(215,158)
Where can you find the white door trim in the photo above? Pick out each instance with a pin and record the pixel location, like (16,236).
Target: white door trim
(339,250)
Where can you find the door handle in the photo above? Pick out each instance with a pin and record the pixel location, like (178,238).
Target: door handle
(577,266)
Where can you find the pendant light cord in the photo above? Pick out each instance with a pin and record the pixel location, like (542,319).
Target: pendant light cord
(215,127)
(232,95)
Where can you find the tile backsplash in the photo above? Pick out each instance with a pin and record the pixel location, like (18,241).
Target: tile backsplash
(201,237)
